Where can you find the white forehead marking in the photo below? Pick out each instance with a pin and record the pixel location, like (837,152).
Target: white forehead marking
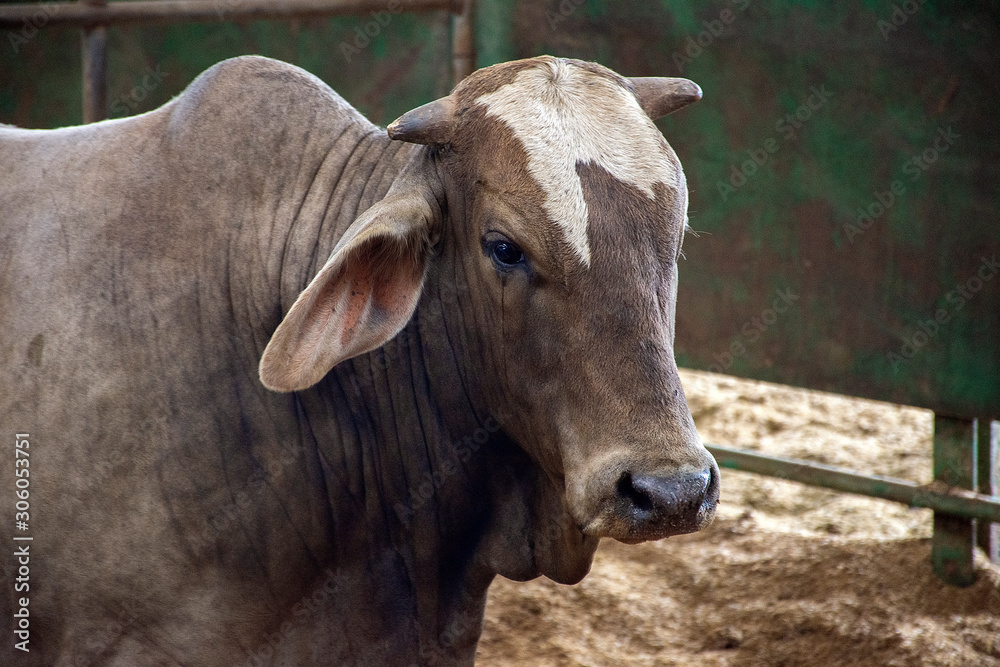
(564,115)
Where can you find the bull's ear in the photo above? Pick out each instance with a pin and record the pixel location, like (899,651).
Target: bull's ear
(361,298)
(661,95)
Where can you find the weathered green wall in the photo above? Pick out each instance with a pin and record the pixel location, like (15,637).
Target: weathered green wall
(776,198)
(407,62)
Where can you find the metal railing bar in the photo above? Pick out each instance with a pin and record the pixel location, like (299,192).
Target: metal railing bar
(934,496)
(74,14)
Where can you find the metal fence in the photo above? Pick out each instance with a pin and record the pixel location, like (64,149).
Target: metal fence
(94,16)
(965,461)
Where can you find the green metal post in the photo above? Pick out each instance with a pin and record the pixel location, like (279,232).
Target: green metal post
(95,69)
(953,543)
(463,27)
(988,474)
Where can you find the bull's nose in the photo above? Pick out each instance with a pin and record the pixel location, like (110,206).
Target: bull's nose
(663,506)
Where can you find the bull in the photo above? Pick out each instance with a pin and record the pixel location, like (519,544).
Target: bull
(294,389)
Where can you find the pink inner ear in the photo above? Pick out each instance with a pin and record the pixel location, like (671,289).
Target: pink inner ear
(382,289)
(360,286)
(396,291)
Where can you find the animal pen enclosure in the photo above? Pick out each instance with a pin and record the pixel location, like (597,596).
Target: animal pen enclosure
(843,168)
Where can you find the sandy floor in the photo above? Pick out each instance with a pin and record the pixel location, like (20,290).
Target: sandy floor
(787,575)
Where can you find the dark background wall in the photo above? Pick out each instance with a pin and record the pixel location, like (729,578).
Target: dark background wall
(406,63)
(844,164)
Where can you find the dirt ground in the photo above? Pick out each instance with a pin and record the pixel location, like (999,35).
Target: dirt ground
(787,574)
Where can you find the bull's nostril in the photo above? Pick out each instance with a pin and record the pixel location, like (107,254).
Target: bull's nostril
(712,487)
(626,489)
(656,506)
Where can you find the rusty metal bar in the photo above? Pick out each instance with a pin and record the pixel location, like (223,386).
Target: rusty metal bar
(81,15)
(94,44)
(988,483)
(938,497)
(464,41)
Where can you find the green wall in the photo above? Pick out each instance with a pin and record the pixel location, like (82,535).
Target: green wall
(407,62)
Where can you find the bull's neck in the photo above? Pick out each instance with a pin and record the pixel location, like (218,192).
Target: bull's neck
(408,453)
(399,430)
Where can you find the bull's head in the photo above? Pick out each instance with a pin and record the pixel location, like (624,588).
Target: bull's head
(566,210)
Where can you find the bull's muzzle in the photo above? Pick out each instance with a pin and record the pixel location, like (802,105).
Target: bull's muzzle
(643,506)
(663,506)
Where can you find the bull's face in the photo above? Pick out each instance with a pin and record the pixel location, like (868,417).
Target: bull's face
(566,213)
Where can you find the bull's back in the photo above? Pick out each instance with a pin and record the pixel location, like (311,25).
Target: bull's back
(67,223)
(60,227)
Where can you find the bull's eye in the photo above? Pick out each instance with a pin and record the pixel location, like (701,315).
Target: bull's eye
(505,253)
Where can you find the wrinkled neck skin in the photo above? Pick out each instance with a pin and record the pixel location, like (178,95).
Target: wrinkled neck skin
(426,498)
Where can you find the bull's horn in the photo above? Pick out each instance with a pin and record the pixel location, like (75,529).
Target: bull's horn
(428,124)
(661,95)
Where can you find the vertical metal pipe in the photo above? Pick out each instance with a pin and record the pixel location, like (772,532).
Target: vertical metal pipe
(987,533)
(954,539)
(463,30)
(94,43)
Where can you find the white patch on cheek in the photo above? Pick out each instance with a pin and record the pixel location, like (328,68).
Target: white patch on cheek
(564,115)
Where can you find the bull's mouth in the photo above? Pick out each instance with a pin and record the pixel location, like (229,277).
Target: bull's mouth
(644,507)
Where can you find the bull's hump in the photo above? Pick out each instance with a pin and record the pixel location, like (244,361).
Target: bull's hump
(565,115)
